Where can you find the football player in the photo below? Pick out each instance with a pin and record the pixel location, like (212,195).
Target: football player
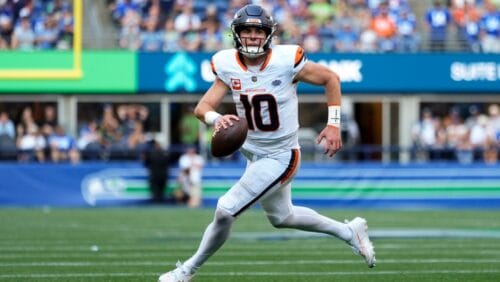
(263,81)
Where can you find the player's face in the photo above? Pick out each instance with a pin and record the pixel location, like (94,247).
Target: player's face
(252,37)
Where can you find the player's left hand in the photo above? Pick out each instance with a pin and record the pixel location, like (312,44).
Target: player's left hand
(331,139)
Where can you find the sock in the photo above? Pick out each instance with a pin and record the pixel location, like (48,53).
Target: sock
(214,237)
(309,220)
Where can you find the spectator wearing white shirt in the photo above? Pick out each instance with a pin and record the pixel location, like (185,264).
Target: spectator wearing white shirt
(190,176)
(31,145)
(424,135)
(482,139)
(187,20)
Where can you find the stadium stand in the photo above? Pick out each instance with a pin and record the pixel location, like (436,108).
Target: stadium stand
(120,130)
(320,26)
(41,25)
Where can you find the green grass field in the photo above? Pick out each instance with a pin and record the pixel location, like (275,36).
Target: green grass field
(137,244)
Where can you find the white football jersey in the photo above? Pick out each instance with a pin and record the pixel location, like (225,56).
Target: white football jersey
(266,96)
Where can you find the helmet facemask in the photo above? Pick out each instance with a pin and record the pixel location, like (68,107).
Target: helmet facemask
(252,51)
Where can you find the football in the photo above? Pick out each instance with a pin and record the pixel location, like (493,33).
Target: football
(229,140)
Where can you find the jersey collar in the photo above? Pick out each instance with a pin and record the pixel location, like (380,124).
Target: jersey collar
(241,63)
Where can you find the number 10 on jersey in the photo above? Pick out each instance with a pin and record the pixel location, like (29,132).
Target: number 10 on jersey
(254,114)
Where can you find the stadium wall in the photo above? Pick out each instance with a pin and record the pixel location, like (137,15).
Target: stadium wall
(366,185)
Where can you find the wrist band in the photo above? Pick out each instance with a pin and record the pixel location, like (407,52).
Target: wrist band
(211,117)
(334,116)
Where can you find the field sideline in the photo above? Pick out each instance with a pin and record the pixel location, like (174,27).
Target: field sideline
(137,244)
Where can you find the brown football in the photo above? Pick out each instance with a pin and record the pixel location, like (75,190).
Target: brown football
(229,140)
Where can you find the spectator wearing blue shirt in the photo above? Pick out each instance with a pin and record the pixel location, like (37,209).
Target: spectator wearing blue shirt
(63,147)
(7,133)
(490,26)
(327,35)
(23,37)
(211,34)
(346,38)
(466,17)
(438,19)
(171,37)
(407,37)
(211,39)
(151,38)
(120,9)
(65,26)
(47,35)
(472,35)
(89,140)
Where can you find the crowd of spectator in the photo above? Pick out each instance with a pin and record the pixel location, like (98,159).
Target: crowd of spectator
(41,141)
(458,137)
(318,25)
(477,25)
(120,132)
(36,24)
(465,134)
(117,133)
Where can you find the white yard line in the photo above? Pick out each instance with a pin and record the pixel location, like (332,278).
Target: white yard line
(262,262)
(188,248)
(168,254)
(375,233)
(268,236)
(246,274)
(167,247)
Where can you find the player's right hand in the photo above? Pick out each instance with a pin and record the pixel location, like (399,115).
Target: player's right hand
(224,122)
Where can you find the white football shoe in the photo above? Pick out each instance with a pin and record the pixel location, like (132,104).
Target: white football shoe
(176,275)
(360,242)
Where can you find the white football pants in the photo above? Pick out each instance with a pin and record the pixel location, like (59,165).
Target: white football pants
(266,181)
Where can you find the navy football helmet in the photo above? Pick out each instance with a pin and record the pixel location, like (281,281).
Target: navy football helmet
(252,16)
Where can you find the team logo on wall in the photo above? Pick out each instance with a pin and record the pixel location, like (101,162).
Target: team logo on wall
(115,185)
(235,84)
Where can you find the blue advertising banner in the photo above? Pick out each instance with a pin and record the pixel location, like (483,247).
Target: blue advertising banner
(174,72)
(362,185)
(452,73)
